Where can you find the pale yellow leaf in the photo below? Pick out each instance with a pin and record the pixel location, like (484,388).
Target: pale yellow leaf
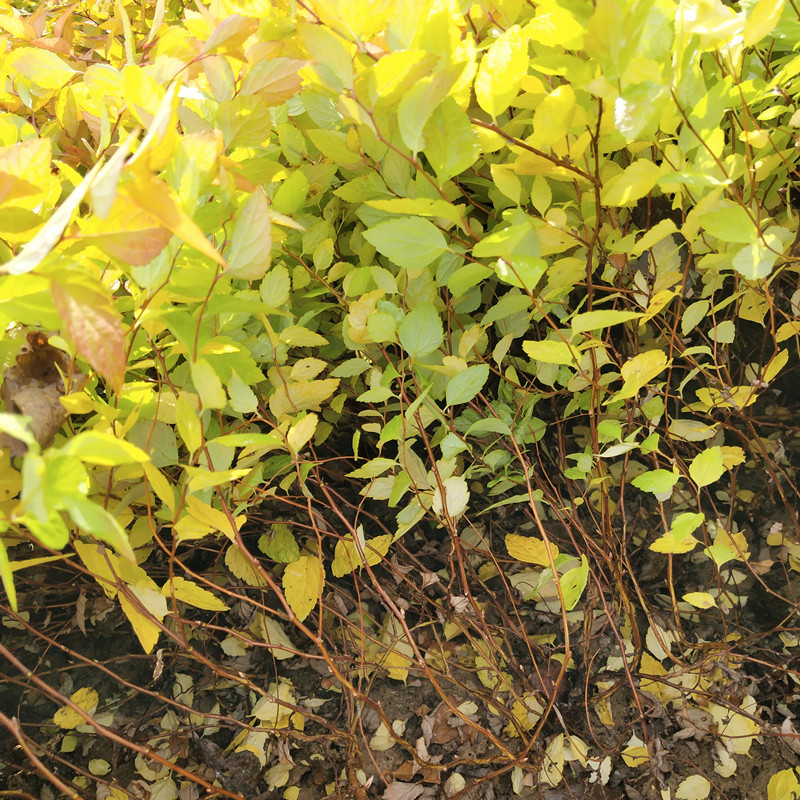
(302,584)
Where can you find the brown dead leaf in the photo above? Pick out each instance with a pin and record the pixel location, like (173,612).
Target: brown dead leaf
(400,790)
(33,387)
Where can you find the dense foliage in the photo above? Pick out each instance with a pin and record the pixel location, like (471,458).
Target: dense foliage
(430,332)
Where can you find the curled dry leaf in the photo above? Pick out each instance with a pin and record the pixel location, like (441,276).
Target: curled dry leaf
(33,387)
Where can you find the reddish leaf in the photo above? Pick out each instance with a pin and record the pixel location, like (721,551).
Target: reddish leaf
(95,326)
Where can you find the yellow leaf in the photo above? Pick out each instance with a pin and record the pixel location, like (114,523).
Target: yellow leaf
(188,421)
(784,785)
(552,770)
(553,117)
(530,550)
(300,434)
(695,787)
(347,558)
(700,599)
(732,456)
(302,584)
(217,520)
(736,729)
(86,699)
(240,566)
(301,337)
(550,352)
(635,754)
(143,623)
(670,543)
(501,71)
(274,709)
(271,631)
(761,20)
(200,478)
(160,485)
(189,592)
(640,370)
(301,397)
(775,366)
(156,198)
(635,182)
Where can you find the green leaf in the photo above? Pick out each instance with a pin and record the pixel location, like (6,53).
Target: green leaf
(251,242)
(465,385)
(732,224)
(656,481)
(94,519)
(707,467)
(421,331)
(279,545)
(451,144)
(573,582)
(412,243)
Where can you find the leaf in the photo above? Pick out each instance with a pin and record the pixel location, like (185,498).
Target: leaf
(553,117)
(501,71)
(302,584)
(347,558)
(633,183)
(635,754)
(412,243)
(638,371)
(94,519)
(530,549)
(188,421)
(731,224)
(208,384)
(95,447)
(251,242)
(86,699)
(155,198)
(573,582)
(784,785)
(274,80)
(761,20)
(451,144)
(550,352)
(143,623)
(421,331)
(679,538)
(230,34)
(94,324)
(280,545)
(46,238)
(419,102)
(707,467)
(593,320)
(657,481)
(454,499)
(464,386)
(295,397)
(700,599)
(189,592)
